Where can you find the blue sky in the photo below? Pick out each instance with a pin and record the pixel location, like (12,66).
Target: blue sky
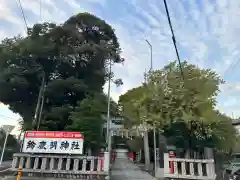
(206,32)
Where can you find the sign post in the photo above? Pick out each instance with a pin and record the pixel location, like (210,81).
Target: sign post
(53,142)
(7,129)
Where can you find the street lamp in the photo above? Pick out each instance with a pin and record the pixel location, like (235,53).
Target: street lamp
(154,129)
(146,146)
(7,129)
(151,61)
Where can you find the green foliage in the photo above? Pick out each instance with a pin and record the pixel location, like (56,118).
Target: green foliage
(129,105)
(87,118)
(183,109)
(225,134)
(73,58)
(193,98)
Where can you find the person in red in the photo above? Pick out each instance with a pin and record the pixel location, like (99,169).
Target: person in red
(131,156)
(113,155)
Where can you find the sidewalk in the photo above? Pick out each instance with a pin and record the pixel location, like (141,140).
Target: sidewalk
(125,169)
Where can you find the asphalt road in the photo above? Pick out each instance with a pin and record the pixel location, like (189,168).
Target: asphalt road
(5,165)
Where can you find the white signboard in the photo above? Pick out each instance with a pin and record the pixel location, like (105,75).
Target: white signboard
(56,142)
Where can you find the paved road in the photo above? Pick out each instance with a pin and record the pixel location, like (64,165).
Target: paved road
(5,165)
(123,169)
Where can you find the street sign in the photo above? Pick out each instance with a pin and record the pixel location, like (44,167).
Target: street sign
(56,142)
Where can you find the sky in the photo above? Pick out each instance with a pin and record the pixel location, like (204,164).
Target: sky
(206,31)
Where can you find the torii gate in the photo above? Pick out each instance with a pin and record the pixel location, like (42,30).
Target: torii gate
(128,133)
(117,128)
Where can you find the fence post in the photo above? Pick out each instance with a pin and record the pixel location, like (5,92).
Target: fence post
(106,161)
(166,163)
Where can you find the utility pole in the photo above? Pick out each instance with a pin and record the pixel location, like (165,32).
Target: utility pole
(41,107)
(146,145)
(109,135)
(37,111)
(145,137)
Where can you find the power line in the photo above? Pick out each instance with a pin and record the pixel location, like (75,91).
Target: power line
(234,62)
(173,38)
(23,15)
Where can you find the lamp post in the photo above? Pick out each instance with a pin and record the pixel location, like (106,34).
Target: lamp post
(154,129)
(7,129)
(151,61)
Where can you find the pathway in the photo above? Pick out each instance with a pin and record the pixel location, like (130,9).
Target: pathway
(124,169)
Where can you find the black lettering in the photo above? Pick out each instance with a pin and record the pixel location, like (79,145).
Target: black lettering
(64,145)
(53,145)
(75,145)
(42,145)
(31,144)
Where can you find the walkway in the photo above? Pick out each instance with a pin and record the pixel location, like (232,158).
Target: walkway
(124,169)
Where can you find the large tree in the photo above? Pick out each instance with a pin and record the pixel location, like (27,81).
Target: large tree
(183,108)
(71,57)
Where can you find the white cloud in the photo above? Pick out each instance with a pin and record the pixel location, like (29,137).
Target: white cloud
(206,34)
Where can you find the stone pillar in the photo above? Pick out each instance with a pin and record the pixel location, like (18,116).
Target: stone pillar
(106,162)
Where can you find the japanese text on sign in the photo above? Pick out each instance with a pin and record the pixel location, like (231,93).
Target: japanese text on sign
(53,142)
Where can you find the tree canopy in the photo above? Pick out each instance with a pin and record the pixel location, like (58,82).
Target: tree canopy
(185,109)
(73,59)
(87,118)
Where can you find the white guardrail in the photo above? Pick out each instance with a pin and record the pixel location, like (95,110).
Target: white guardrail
(61,166)
(189,168)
